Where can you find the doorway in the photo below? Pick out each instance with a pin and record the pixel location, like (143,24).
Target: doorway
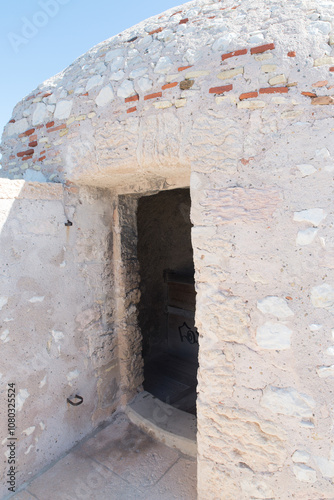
(167,304)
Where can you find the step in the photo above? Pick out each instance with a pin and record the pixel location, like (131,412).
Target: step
(167,424)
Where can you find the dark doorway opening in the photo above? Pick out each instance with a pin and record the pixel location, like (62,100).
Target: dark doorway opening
(167,304)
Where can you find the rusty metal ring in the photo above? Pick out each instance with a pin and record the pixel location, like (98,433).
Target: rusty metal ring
(75,404)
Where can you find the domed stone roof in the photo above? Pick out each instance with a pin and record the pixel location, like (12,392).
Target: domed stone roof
(129,103)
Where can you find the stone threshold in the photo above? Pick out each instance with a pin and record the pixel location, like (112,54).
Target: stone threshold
(167,424)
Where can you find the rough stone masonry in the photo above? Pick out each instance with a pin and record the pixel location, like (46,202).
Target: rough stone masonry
(234,99)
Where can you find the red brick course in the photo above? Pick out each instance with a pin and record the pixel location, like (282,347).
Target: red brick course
(152,96)
(262,48)
(54,129)
(27,133)
(169,85)
(248,95)
(274,90)
(158,30)
(182,68)
(292,53)
(131,110)
(220,90)
(235,53)
(309,94)
(132,98)
(28,152)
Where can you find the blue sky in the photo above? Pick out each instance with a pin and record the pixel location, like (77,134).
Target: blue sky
(39,38)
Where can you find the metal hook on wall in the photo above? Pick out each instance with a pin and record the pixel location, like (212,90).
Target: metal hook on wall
(69,400)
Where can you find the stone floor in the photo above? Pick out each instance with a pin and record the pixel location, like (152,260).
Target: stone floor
(120,462)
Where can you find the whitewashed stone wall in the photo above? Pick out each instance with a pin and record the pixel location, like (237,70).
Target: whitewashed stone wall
(240,94)
(58,335)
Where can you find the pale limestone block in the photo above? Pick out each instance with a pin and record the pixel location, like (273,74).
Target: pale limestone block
(304,473)
(63,110)
(256,38)
(256,278)
(323,296)
(287,401)
(94,81)
(300,456)
(179,103)
(276,306)
(138,72)
(278,80)
(4,337)
(39,114)
(324,60)
(227,98)
(79,90)
(196,74)
(117,64)
(91,114)
(21,398)
(274,336)
(279,99)
(162,104)
(3,302)
(323,100)
(29,431)
(224,75)
(145,42)
(291,115)
(306,236)
(58,336)
(222,43)
(164,65)
(268,68)
(119,75)
(112,54)
(323,27)
(126,89)
(105,96)
(35,299)
(144,84)
(325,371)
(263,57)
(172,78)
(306,169)
(322,153)
(18,127)
(312,215)
(326,466)
(330,350)
(249,104)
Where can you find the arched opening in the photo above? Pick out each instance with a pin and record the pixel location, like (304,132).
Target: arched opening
(167,304)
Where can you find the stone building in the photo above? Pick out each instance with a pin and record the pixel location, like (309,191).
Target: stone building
(231,100)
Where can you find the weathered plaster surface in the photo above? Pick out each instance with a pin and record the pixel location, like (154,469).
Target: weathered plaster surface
(240,96)
(57,335)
